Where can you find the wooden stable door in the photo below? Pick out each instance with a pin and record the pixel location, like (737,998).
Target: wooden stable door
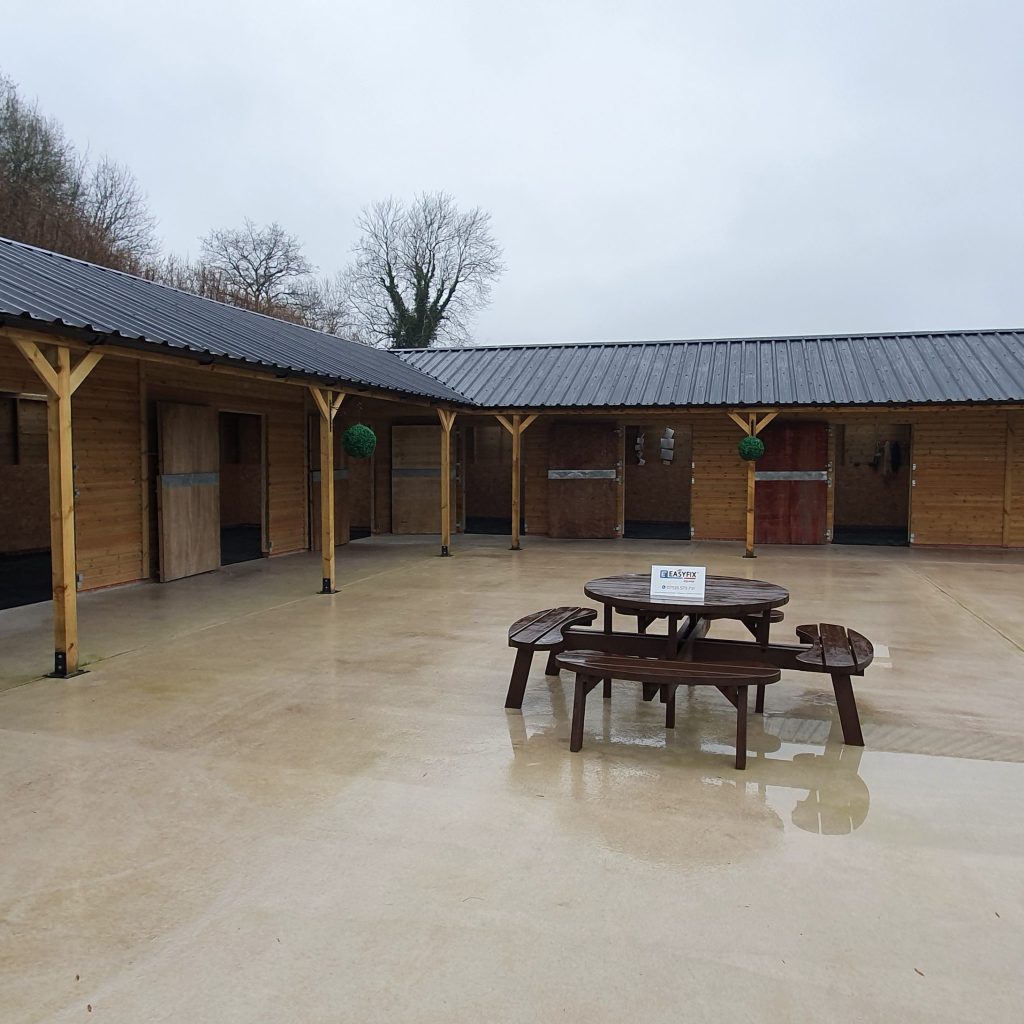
(188,489)
(583,480)
(791,497)
(416,480)
(341,487)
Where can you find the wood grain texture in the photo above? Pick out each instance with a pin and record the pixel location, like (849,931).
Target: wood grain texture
(718,504)
(959,482)
(724,596)
(189,513)
(648,670)
(792,511)
(583,508)
(416,486)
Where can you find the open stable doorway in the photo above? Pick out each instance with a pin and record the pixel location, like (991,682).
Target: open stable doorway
(658,481)
(24,502)
(872,483)
(488,479)
(241,487)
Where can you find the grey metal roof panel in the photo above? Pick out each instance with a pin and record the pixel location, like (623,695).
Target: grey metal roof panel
(47,288)
(871,369)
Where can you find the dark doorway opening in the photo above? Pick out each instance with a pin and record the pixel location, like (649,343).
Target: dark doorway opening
(488,469)
(658,481)
(493,525)
(24,502)
(25,579)
(872,483)
(241,487)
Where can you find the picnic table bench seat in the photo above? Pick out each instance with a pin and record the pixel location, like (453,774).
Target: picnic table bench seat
(540,631)
(841,652)
(732,679)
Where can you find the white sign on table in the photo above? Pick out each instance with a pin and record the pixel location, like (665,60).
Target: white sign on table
(686,581)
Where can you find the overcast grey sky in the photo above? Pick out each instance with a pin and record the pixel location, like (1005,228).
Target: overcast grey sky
(654,169)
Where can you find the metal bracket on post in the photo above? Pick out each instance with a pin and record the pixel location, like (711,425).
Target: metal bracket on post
(325,587)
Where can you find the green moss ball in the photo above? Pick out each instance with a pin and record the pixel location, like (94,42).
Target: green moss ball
(359,441)
(751,448)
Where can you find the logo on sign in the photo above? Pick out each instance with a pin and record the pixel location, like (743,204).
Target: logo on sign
(685,582)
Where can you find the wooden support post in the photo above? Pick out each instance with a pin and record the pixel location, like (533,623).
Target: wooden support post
(1008,481)
(517,464)
(447,422)
(751,426)
(749,552)
(328,404)
(61,381)
(620,497)
(516,428)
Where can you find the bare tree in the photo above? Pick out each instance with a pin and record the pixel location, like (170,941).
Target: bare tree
(422,271)
(40,174)
(115,208)
(188,275)
(50,197)
(325,304)
(263,268)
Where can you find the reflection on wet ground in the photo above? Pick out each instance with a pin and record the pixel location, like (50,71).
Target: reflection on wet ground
(265,805)
(830,796)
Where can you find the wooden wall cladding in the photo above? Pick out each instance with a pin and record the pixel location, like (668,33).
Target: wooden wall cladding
(106,440)
(284,407)
(1014,523)
(959,483)
(535,476)
(416,480)
(719,499)
(585,508)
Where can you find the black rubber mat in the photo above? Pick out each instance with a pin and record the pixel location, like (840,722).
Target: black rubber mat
(25,579)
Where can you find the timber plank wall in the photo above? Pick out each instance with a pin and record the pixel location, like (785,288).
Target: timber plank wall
(113,446)
(968,483)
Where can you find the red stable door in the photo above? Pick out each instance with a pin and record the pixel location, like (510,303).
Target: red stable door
(791,495)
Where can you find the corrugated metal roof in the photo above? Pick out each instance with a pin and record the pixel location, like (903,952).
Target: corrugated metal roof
(37,285)
(875,369)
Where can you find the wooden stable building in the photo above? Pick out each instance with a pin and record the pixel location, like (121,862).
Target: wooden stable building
(149,434)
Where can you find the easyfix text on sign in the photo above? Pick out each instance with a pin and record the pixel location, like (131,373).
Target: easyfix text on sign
(685,581)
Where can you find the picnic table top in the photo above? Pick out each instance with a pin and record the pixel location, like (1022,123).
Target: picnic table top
(724,596)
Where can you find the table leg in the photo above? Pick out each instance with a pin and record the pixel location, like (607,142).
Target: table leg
(520,674)
(672,640)
(763,626)
(606,693)
(669,697)
(584,684)
(741,727)
(847,707)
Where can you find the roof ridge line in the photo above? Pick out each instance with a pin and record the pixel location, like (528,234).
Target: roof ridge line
(848,335)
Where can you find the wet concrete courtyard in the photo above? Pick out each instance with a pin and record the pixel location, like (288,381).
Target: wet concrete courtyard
(261,804)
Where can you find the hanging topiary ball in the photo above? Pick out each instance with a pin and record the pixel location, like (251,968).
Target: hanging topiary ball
(359,441)
(751,448)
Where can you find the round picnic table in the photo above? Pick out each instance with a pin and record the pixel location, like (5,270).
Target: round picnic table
(725,597)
